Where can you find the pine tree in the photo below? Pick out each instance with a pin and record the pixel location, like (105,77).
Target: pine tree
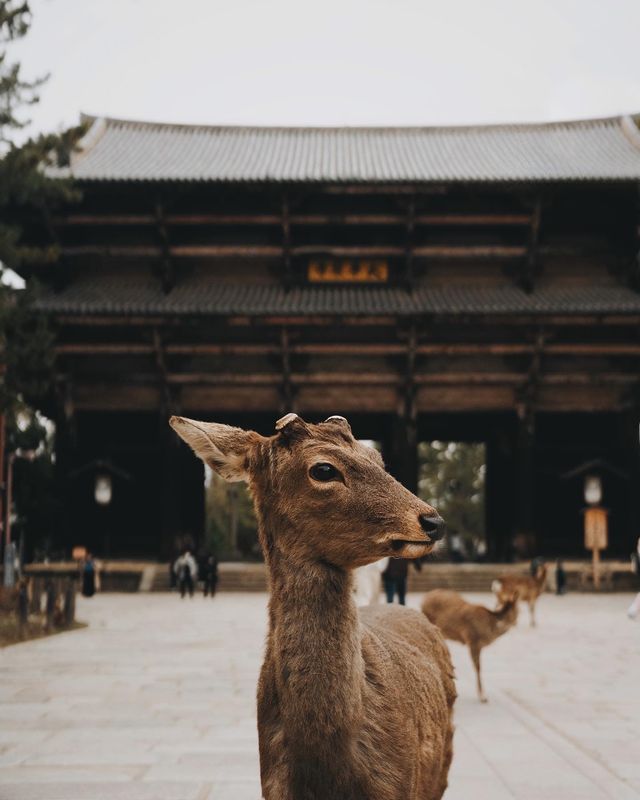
(451,477)
(27,194)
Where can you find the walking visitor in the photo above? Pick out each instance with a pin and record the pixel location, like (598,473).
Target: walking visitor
(186,571)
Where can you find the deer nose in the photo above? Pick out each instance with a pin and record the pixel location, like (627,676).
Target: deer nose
(434,525)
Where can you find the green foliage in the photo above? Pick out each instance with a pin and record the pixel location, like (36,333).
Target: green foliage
(37,505)
(26,192)
(451,477)
(27,196)
(26,341)
(220,500)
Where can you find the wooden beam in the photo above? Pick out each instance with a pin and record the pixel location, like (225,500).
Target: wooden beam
(507,321)
(363,350)
(277,251)
(359,251)
(108,349)
(381,378)
(361,398)
(430,399)
(177,251)
(468,251)
(106,220)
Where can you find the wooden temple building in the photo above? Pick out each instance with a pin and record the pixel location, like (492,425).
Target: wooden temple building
(464,284)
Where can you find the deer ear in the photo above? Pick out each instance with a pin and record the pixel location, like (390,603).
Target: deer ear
(224,448)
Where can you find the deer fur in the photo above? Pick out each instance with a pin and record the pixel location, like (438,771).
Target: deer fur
(351,705)
(529,588)
(473,625)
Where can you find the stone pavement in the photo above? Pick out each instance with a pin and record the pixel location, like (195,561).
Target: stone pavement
(155,701)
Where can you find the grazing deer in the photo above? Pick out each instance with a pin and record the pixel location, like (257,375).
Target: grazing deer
(351,706)
(473,625)
(528,587)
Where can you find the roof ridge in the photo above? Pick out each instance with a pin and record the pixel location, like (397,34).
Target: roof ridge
(566,123)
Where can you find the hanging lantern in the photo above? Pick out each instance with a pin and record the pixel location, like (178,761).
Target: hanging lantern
(592,490)
(103,489)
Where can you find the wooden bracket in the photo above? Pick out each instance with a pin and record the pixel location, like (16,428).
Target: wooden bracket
(167,271)
(531,263)
(66,406)
(286,389)
(286,243)
(526,394)
(408,256)
(168,406)
(408,407)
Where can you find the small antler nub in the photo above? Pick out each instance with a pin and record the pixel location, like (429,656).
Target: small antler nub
(286,420)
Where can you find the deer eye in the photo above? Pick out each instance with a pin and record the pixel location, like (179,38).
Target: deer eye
(324,472)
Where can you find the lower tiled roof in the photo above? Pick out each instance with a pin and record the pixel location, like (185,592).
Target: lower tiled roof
(141,295)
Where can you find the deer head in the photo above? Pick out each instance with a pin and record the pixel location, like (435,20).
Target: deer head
(319,494)
(507,613)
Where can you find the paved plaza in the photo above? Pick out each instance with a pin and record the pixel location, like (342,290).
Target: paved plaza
(155,701)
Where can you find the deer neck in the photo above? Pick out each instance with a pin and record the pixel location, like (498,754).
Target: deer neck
(314,645)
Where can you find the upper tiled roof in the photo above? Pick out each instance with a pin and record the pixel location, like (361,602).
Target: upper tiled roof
(196,295)
(117,150)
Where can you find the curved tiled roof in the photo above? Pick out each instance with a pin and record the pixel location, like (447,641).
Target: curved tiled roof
(119,150)
(196,295)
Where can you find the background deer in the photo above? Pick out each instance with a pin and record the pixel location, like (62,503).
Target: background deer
(473,625)
(367,586)
(351,706)
(528,587)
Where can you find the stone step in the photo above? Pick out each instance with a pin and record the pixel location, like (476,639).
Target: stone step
(242,577)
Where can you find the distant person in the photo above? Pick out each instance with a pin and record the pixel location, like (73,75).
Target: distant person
(480,547)
(634,608)
(186,571)
(456,548)
(561,578)
(88,576)
(210,576)
(394,578)
(535,565)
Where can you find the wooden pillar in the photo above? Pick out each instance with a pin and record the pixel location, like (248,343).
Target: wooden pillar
(499,493)
(629,443)
(170,494)
(401,451)
(525,538)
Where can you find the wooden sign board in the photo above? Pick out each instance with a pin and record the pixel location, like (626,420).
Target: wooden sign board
(595,529)
(348,271)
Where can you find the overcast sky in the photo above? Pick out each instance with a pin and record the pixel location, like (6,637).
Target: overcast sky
(334,62)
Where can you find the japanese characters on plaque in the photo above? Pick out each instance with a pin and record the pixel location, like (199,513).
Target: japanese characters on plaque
(359,270)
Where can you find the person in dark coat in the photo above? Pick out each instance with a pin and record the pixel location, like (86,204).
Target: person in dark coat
(89,576)
(394,578)
(210,575)
(186,571)
(561,578)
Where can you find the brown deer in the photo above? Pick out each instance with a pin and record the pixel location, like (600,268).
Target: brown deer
(351,706)
(473,625)
(528,587)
